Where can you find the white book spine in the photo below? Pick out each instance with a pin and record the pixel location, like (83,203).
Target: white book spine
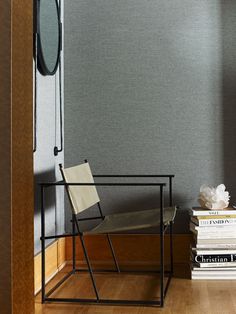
(214,273)
(205,265)
(220,270)
(218,222)
(213,251)
(206,212)
(216,277)
(216,235)
(216,246)
(206,229)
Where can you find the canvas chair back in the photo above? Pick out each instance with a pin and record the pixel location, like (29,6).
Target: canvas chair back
(81,197)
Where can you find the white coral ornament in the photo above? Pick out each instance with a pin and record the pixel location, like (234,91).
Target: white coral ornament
(213,198)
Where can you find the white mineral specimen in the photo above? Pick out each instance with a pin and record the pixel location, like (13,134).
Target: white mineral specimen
(213,198)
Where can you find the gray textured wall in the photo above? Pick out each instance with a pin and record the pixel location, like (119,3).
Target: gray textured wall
(144,93)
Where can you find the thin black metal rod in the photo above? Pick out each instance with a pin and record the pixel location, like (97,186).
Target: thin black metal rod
(42,244)
(171,227)
(59,283)
(89,267)
(133,176)
(99,184)
(85,270)
(73,243)
(89,218)
(170,192)
(57,236)
(171,249)
(77,226)
(137,272)
(35,92)
(161,248)
(109,242)
(113,253)
(167,284)
(100,211)
(69,235)
(106,301)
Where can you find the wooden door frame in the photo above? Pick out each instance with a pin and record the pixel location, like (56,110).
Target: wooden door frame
(16,161)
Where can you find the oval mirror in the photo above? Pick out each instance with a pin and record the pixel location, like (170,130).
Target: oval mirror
(49,36)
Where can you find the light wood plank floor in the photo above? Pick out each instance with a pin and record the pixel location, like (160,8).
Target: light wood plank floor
(184,296)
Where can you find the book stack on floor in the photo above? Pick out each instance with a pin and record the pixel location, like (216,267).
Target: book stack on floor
(213,254)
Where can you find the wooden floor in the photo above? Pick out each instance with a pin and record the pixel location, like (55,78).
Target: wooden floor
(184,295)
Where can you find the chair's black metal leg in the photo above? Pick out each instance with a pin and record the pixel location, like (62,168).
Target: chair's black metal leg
(171,249)
(89,267)
(109,240)
(161,248)
(113,253)
(171,228)
(73,244)
(170,192)
(42,245)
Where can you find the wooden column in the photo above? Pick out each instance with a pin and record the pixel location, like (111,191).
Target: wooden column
(16,158)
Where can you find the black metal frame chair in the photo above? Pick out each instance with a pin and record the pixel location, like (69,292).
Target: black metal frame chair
(76,232)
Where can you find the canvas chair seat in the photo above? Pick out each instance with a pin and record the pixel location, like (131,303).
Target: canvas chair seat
(136,220)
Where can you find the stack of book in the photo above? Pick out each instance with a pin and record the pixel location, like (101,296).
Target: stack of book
(213,254)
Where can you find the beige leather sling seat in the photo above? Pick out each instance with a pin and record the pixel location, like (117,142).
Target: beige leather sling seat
(83,197)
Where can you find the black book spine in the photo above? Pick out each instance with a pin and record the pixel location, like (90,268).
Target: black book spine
(219,258)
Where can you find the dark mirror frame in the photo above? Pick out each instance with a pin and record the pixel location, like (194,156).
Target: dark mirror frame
(38,51)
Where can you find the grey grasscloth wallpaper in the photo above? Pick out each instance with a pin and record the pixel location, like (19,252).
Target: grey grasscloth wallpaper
(150,88)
